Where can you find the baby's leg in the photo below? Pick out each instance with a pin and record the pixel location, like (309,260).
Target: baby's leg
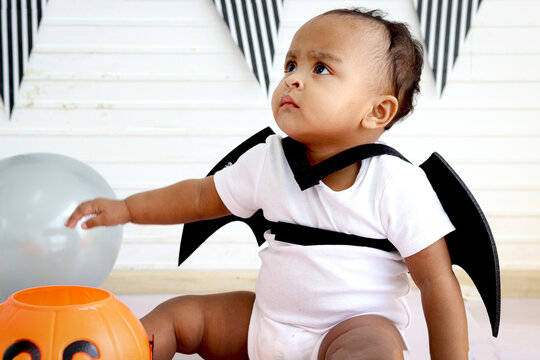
(214,326)
(367,337)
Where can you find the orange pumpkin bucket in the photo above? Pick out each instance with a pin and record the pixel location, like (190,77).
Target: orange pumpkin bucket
(68,323)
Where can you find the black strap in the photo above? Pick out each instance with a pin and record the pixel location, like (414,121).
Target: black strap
(195,234)
(309,236)
(307,175)
(254,140)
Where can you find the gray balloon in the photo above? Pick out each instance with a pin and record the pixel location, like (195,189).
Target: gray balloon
(38,192)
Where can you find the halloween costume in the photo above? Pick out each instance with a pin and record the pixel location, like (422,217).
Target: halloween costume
(316,287)
(354,268)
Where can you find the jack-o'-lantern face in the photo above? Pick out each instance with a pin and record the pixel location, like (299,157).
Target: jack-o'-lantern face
(69,353)
(70,323)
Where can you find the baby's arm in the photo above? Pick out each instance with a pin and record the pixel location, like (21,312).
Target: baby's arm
(442,302)
(183,202)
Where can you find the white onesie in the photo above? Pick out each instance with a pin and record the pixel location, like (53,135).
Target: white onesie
(304,291)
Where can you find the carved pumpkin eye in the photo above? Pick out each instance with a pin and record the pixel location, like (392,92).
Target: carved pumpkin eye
(28,347)
(82,346)
(22,347)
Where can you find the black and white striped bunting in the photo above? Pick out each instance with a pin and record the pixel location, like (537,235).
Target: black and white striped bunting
(253,25)
(444,25)
(19,22)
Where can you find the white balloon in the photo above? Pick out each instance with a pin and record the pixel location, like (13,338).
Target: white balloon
(38,192)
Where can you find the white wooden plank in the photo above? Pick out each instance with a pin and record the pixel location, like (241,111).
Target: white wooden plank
(72,92)
(149,66)
(502,40)
(525,175)
(204,38)
(497,68)
(144,10)
(472,150)
(519,257)
(498,200)
(514,227)
(195,119)
(141,147)
(496,13)
(471,122)
(484,95)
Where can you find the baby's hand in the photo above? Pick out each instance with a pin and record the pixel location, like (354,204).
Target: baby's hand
(108,213)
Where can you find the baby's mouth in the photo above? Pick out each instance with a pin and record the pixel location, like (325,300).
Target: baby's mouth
(287,100)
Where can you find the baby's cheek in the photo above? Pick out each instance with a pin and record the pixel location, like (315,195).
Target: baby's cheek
(275,96)
(275,104)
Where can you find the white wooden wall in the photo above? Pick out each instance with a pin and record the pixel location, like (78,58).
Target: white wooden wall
(151,92)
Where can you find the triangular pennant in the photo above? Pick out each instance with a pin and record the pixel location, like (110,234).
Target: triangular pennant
(444,25)
(18,31)
(253,26)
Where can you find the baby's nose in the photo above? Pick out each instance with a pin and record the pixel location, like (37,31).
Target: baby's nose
(294,81)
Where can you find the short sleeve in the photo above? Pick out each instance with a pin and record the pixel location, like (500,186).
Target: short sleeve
(411,211)
(237,183)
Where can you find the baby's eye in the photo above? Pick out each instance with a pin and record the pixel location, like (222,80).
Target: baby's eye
(321,69)
(290,67)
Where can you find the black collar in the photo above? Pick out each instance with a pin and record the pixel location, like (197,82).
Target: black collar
(307,175)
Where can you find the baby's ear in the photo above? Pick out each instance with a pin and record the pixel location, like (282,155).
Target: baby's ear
(384,109)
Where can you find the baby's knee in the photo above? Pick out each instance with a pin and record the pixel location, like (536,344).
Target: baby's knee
(366,338)
(365,350)
(369,352)
(179,320)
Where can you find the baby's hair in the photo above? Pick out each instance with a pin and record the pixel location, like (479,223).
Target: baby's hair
(405,58)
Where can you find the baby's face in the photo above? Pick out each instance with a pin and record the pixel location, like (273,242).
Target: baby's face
(332,74)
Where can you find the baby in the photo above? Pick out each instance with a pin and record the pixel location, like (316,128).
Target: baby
(349,76)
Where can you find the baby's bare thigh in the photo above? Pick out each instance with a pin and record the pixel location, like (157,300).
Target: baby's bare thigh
(226,324)
(363,337)
(214,326)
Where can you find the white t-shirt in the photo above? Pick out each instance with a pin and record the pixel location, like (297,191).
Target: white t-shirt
(320,286)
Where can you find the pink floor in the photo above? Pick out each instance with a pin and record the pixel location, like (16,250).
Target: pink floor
(519,335)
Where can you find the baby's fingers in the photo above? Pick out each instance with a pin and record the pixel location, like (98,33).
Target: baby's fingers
(93,222)
(81,211)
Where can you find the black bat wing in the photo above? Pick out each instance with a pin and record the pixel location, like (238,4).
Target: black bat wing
(194,234)
(471,245)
